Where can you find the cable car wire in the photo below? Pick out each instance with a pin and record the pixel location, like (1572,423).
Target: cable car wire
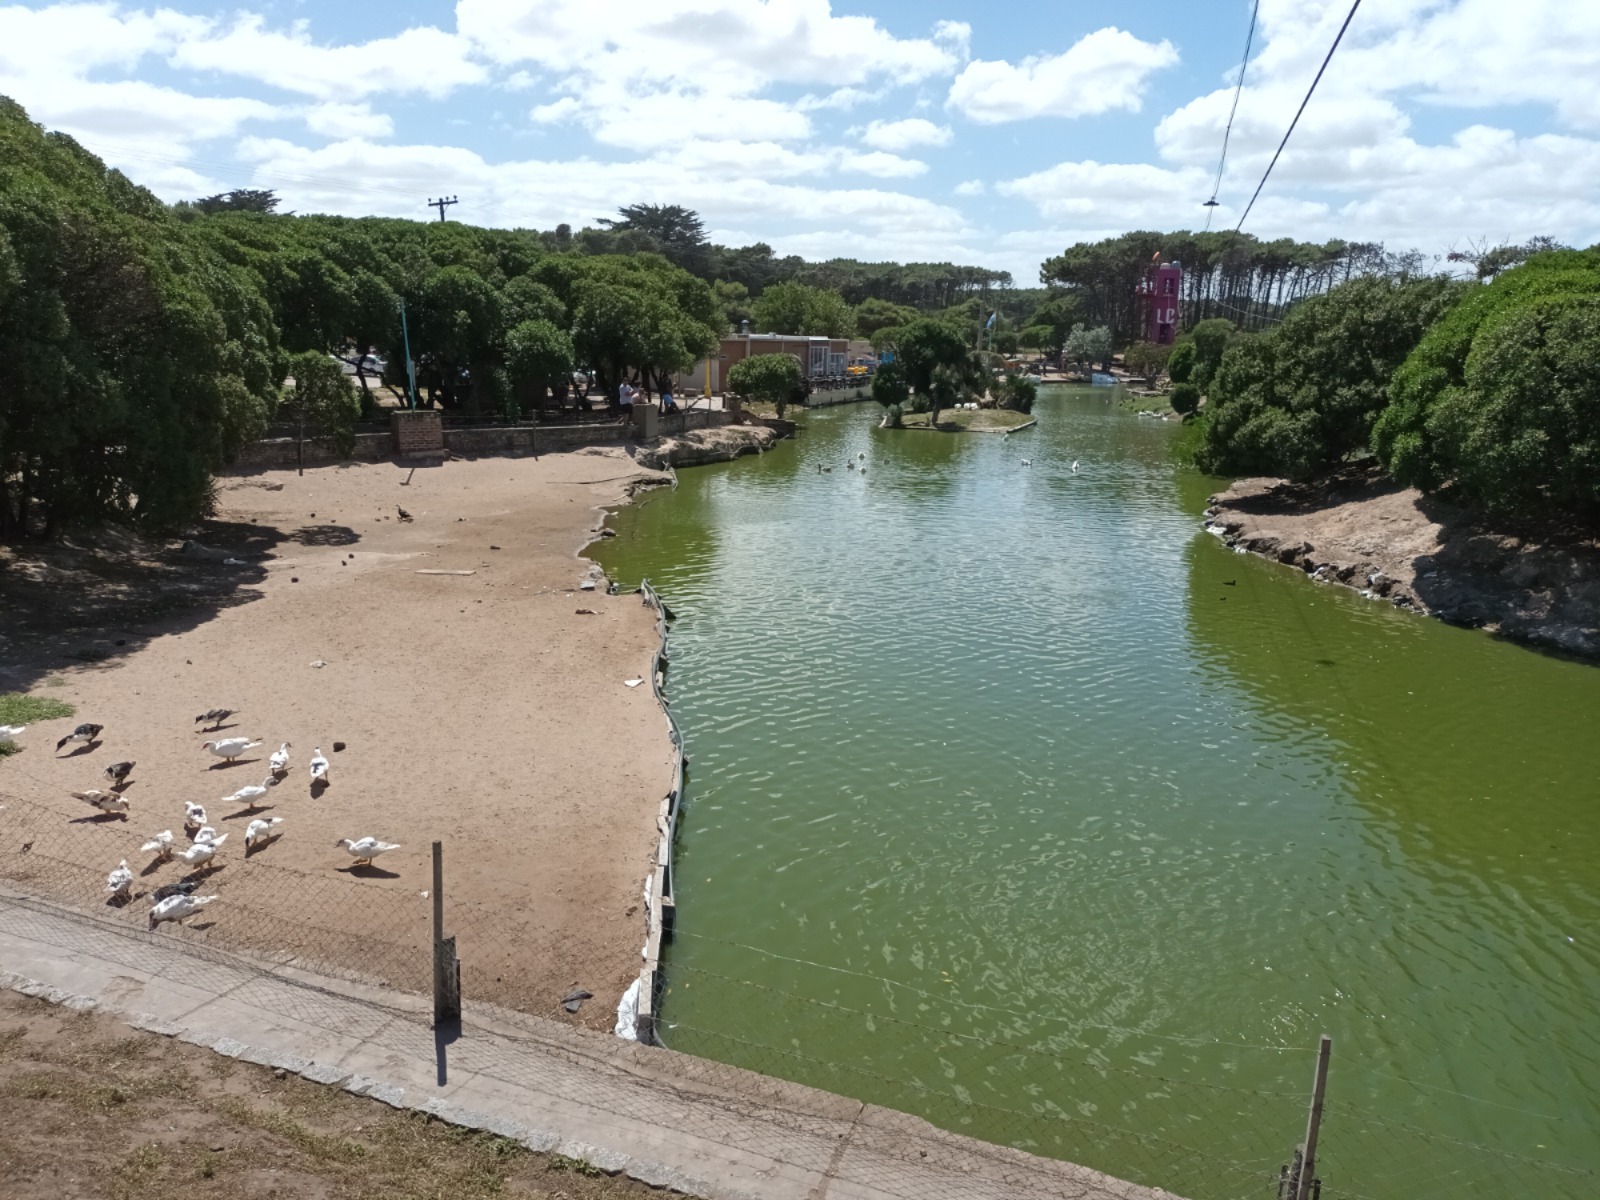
(1350,16)
(1244,62)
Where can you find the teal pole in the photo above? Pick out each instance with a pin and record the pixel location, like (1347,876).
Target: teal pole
(405,334)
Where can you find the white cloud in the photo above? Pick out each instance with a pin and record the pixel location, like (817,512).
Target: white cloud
(348,121)
(1104,70)
(903,135)
(970,187)
(885,166)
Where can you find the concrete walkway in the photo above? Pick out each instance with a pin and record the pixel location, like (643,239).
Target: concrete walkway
(667,1119)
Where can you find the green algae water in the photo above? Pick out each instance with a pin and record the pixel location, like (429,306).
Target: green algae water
(1019,803)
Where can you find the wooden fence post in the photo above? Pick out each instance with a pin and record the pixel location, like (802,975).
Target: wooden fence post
(446,969)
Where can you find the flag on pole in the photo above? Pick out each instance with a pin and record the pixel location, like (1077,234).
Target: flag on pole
(992,316)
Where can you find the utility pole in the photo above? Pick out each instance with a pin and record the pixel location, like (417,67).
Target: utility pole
(442,203)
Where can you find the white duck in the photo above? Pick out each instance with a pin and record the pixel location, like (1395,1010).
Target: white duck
(364,850)
(199,854)
(10,733)
(106,802)
(249,795)
(176,908)
(194,816)
(262,831)
(206,833)
(230,748)
(119,881)
(160,845)
(279,762)
(319,767)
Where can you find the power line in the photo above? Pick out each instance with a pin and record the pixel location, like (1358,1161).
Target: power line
(1350,16)
(1244,62)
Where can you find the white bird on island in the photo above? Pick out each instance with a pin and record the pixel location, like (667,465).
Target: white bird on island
(107,803)
(1027,462)
(279,762)
(261,831)
(230,748)
(160,845)
(119,881)
(199,854)
(319,767)
(176,908)
(206,833)
(364,850)
(10,733)
(1074,466)
(194,816)
(253,792)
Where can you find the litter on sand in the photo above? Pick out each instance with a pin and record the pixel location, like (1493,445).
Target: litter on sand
(633,682)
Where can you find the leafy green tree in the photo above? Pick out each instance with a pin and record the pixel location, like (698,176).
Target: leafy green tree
(1180,364)
(924,345)
(1184,398)
(734,298)
(1037,337)
(873,314)
(1146,359)
(538,356)
(889,386)
(1499,404)
(799,309)
(133,360)
(239,200)
(1088,345)
(767,379)
(1295,401)
(1017,392)
(1210,340)
(320,403)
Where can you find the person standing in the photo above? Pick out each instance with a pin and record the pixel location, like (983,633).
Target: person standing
(625,398)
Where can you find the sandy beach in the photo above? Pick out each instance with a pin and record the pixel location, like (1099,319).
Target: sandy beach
(483,708)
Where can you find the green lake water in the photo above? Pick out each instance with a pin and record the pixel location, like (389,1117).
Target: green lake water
(1019,802)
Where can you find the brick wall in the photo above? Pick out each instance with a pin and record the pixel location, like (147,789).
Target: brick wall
(417,432)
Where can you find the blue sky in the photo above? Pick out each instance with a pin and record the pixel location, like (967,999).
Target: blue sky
(991,133)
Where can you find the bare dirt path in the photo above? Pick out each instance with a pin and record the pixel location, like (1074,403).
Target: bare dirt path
(480,708)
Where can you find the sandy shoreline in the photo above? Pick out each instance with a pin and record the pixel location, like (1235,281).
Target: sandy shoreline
(482,709)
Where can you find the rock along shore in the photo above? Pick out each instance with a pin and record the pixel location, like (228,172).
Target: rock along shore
(1366,532)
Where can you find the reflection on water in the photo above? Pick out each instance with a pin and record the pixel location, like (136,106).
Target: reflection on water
(1077,780)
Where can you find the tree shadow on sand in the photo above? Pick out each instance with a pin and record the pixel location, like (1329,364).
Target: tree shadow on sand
(92,598)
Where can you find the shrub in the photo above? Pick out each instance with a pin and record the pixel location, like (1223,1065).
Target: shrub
(1180,363)
(1297,400)
(1185,398)
(1017,392)
(1500,402)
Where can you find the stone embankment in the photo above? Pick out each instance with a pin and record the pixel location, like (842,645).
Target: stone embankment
(723,444)
(1395,544)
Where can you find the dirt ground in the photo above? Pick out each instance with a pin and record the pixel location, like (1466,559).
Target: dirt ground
(483,706)
(90,1108)
(1359,528)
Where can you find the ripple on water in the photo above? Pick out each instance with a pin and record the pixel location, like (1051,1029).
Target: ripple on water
(1002,737)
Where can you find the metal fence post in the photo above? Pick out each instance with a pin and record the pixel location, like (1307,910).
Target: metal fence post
(446,969)
(1305,1167)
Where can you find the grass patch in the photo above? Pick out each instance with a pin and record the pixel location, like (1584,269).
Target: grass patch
(958,420)
(18,709)
(574,1166)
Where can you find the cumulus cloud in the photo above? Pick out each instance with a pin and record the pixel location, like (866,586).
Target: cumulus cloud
(970,187)
(1104,70)
(903,135)
(348,121)
(885,166)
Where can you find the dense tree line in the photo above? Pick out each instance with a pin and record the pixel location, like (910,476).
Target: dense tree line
(1225,275)
(1487,393)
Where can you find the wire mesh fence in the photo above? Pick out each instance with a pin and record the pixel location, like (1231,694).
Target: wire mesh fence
(1053,1087)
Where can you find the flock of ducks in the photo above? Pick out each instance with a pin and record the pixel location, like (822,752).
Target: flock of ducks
(176,901)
